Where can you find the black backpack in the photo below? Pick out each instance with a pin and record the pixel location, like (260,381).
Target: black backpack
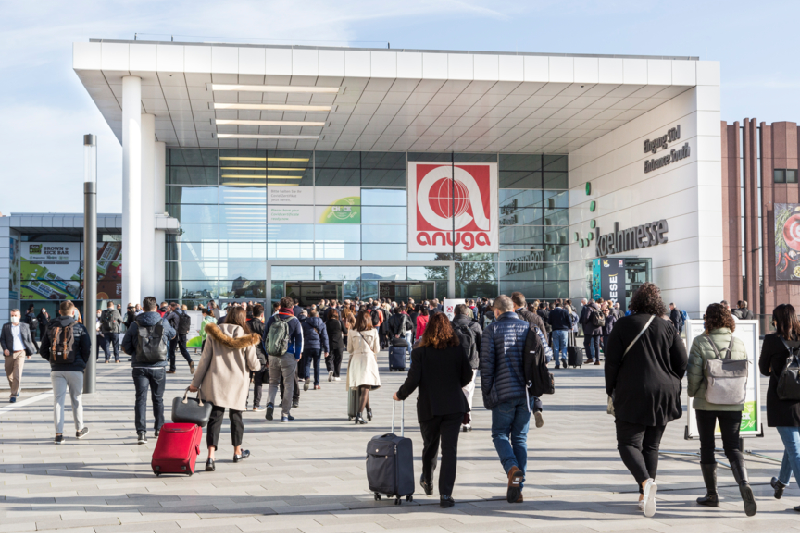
(598,318)
(151,347)
(534,366)
(184,324)
(377,317)
(789,380)
(466,337)
(105,321)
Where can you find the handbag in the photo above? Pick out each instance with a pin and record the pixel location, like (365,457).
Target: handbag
(726,379)
(191,410)
(789,380)
(610,402)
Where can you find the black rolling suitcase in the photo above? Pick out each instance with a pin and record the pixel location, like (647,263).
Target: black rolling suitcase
(352,403)
(397,357)
(390,464)
(574,353)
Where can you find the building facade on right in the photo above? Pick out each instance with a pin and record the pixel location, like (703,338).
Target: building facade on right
(761,214)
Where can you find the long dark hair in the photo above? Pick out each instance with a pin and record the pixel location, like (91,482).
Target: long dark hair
(363,321)
(238,316)
(647,300)
(439,333)
(786,322)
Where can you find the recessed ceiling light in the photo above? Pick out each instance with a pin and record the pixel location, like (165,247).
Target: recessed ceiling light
(236,122)
(273,88)
(287,169)
(281,159)
(271,107)
(261,176)
(246,136)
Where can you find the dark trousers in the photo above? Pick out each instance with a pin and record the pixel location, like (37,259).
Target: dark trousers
(311,355)
(113,340)
(638,447)
(215,425)
(179,341)
(154,378)
(445,429)
(296,392)
(591,343)
(334,361)
(259,377)
(729,424)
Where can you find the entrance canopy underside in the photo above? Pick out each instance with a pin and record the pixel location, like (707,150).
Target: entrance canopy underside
(260,97)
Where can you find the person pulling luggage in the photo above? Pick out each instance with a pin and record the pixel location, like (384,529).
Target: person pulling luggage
(440,367)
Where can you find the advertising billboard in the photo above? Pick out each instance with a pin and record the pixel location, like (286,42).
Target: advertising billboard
(54,270)
(787,242)
(452,207)
(608,280)
(320,205)
(13,275)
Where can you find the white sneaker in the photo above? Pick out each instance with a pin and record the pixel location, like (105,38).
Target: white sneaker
(650,489)
(337,379)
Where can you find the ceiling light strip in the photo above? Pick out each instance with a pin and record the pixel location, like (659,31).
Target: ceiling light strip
(247,136)
(238,122)
(271,107)
(281,159)
(273,88)
(289,169)
(261,176)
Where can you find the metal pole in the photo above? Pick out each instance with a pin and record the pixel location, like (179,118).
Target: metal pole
(90,257)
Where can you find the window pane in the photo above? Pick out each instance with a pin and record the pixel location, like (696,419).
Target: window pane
(383,178)
(337,250)
(476,289)
(338,177)
(556,290)
(193,156)
(556,236)
(383,273)
(194,214)
(556,199)
(474,158)
(337,273)
(377,215)
(383,197)
(515,198)
(253,231)
(253,270)
(337,233)
(243,214)
(384,160)
(192,289)
(429,157)
(556,253)
(192,270)
(426,273)
(291,232)
(381,233)
(520,162)
(194,251)
(531,289)
(243,250)
(199,232)
(556,217)
(383,252)
(779,175)
(290,250)
(192,176)
(557,272)
(177,194)
(337,159)
(299,273)
(520,180)
(285,166)
(791,176)
(556,180)
(477,270)
(243,289)
(369,289)
(521,216)
(555,163)
(243,195)
(522,270)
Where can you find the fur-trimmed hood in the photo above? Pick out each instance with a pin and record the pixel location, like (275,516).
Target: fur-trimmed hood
(232,336)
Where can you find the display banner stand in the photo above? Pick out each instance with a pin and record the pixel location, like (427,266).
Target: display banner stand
(752,424)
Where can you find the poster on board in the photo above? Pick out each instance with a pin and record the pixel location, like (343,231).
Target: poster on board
(450,306)
(787,242)
(193,339)
(608,280)
(747,330)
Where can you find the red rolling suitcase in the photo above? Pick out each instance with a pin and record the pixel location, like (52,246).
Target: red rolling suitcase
(177,448)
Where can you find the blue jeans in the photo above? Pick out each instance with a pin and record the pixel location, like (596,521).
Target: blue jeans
(408,335)
(560,341)
(790,436)
(311,355)
(155,379)
(510,422)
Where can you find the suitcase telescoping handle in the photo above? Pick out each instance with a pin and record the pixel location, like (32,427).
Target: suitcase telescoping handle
(402,418)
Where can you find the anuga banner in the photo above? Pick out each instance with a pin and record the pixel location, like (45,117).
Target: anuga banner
(787,242)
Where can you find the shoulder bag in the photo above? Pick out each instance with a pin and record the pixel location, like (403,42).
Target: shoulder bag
(726,379)
(789,381)
(191,410)
(610,401)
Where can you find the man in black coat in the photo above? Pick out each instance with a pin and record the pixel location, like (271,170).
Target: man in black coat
(463,322)
(258,327)
(591,333)
(675,317)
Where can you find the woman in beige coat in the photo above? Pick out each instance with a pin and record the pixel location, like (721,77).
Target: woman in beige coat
(363,345)
(223,376)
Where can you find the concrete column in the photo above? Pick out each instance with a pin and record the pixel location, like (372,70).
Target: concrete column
(148,204)
(131,189)
(160,253)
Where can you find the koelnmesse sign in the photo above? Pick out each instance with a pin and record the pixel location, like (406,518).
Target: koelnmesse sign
(658,143)
(642,236)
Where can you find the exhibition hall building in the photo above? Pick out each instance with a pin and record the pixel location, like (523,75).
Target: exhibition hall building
(250,172)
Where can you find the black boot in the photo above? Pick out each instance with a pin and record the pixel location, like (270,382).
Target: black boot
(711,499)
(740,475)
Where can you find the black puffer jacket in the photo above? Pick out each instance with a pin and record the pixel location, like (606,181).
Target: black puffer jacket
(771,362)
(259,328)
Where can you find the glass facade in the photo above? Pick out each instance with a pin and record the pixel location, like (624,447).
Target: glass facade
(221,200)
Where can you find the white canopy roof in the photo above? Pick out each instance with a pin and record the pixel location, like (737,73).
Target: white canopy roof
(386,100)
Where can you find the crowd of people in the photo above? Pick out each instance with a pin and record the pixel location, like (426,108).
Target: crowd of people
(645,361)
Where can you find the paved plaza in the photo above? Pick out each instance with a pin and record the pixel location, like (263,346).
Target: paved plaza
(309,476)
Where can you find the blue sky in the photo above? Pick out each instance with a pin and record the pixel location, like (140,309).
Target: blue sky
(44,110)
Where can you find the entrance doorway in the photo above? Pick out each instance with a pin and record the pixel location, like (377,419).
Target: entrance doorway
(401,291)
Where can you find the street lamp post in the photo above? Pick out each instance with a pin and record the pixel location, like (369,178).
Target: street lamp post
(90,255)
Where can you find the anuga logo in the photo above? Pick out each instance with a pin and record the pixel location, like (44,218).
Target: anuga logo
(456,206)
(658,143)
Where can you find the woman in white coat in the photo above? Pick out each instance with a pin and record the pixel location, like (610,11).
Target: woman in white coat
(363,344)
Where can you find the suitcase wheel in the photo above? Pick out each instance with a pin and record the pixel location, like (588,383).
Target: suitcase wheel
(397,501)
(158,474)
(350,418)
(377,497)
(409,498)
